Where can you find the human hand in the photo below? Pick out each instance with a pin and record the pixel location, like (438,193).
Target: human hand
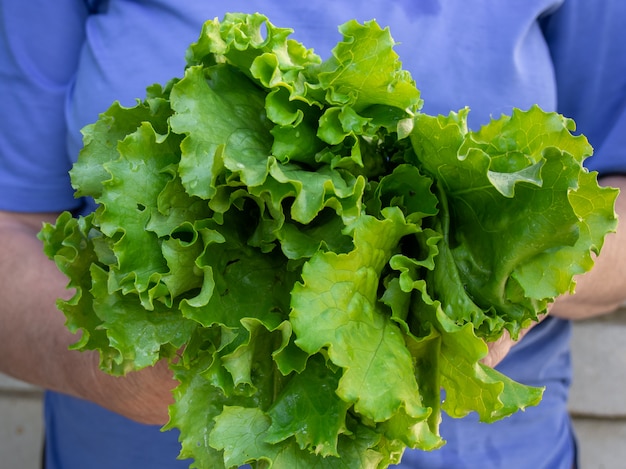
(500,348)
(142,396)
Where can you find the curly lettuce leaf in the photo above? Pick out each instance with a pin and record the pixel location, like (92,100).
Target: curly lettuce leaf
(513,196)
(336,308)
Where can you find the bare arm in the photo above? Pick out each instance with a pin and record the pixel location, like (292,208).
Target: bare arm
(34,341)
(603,289)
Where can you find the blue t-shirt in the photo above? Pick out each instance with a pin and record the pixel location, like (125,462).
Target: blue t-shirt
(64,62)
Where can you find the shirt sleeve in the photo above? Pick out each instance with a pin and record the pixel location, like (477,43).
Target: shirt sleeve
(587,39)
(40,43)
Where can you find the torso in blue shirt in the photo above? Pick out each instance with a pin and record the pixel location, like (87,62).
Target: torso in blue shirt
(488,55)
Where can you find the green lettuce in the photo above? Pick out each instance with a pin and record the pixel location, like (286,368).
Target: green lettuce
(315,257)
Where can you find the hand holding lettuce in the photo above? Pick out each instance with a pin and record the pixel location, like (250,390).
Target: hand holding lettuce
(324,257)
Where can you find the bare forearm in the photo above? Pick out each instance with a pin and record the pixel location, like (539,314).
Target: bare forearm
(34,340)
(603,289)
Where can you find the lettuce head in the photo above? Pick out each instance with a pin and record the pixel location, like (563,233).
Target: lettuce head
(315,257)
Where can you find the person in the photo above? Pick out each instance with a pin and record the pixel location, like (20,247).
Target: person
(64,62)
